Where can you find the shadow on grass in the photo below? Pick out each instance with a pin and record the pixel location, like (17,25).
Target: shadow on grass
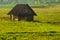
(57,23)
(46,22)
(37,21)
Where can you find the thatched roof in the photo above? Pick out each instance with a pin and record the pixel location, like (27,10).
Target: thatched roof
(22,9)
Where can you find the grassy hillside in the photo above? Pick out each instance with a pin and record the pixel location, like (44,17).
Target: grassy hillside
(44,15)
(51,14)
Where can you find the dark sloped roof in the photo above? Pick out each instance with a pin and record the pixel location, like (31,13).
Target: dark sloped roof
(22,9)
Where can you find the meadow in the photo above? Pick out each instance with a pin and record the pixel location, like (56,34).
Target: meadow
(48,21)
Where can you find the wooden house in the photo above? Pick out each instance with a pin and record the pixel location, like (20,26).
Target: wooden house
(22,12)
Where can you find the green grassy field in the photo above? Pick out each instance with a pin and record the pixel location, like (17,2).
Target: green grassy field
(44,15)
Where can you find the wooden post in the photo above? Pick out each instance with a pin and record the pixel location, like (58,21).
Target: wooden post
(14,18)
(11,17)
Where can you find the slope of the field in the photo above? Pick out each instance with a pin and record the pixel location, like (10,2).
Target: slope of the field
(49,14)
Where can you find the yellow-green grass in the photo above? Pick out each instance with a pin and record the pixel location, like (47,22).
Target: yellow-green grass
(50,14)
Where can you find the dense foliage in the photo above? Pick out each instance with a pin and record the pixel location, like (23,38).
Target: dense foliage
(31,2)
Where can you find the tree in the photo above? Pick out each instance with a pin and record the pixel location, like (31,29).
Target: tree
(1,1)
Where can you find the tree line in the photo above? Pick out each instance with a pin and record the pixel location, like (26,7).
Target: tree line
(30,2)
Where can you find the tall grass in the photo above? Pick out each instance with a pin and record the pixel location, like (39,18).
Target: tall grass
(50,14)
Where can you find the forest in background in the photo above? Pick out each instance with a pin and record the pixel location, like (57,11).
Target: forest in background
(30,2)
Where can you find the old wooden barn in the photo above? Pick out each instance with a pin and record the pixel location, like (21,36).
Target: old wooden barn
(22,12)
